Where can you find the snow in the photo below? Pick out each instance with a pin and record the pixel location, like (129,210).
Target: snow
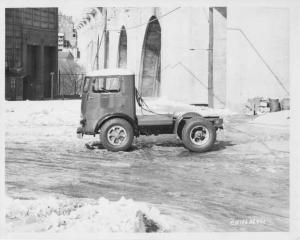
(45,113)
(281,118)
(66,215)
(67,112)
(34,179)
(110,72)
(31,122)
(164,105)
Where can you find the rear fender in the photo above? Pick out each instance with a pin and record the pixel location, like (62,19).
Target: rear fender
(180,120)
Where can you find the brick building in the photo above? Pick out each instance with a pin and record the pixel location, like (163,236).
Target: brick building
(30,52)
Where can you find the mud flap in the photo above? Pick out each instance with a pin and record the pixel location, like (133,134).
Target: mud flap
(79,133)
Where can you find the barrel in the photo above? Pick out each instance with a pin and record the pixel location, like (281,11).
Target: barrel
(274,105)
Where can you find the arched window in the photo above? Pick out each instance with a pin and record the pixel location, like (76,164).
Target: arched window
(122,52)
(106,50)
(150,62)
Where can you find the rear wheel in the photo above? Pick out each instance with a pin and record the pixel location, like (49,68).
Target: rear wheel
(198,135)
(116,135)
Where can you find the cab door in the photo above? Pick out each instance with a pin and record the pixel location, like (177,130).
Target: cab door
(91,99)
(90,102)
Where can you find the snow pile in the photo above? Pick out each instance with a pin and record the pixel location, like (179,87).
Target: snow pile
(67,112)
(68,215)
(280,118)
(44,113)
(164,105)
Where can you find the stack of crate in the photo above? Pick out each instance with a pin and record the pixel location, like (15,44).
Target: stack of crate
(257,106)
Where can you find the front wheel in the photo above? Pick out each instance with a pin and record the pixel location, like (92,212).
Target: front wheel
(116,135)
(198,135)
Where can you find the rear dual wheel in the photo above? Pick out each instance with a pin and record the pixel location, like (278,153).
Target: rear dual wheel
(198,135)
(116,135)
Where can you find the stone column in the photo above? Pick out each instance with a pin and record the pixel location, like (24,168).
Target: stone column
(217,57)
(40,73)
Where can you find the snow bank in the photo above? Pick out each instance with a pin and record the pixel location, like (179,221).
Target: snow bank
(164,105)
(67,112)
(45,113)
(281,118)
(76,215)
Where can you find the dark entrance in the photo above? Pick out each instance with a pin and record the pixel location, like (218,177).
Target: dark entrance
(33,66)
(150,64)
(122,54)
(50,62)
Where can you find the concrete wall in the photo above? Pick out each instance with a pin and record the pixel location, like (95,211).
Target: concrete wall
(184,72)
(265,30)
(185,56)
(219,39)
(249,57)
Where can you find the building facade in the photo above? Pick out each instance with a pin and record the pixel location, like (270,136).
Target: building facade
(30,53)
(215,56)
(67,35)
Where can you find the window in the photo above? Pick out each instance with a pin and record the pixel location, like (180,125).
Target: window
(86,84)
(109,84)
(113,84)
(98,85)
(13,83)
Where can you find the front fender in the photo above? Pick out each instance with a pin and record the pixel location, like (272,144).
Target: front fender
(107,117)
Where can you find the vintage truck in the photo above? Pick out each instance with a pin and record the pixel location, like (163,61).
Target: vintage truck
(108,108)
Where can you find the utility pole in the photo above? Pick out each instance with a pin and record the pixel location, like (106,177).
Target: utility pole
(210,60)
(97,56)
(106,52)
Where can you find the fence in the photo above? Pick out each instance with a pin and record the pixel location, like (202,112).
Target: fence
(70,84)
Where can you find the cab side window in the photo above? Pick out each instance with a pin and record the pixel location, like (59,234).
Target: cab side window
(86,84)
(106,85)
(98,85)
(113,84)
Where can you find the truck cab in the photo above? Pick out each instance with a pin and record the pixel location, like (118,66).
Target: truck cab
(108,108)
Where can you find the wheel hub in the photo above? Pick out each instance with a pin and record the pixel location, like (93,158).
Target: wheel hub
(116,135)
(199,135)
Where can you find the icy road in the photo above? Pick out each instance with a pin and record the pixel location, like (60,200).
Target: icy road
(54,183)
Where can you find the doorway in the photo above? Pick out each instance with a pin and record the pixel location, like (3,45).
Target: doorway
(33,65)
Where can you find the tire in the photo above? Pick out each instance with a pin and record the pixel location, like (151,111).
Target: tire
(116,135)
(198,135)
